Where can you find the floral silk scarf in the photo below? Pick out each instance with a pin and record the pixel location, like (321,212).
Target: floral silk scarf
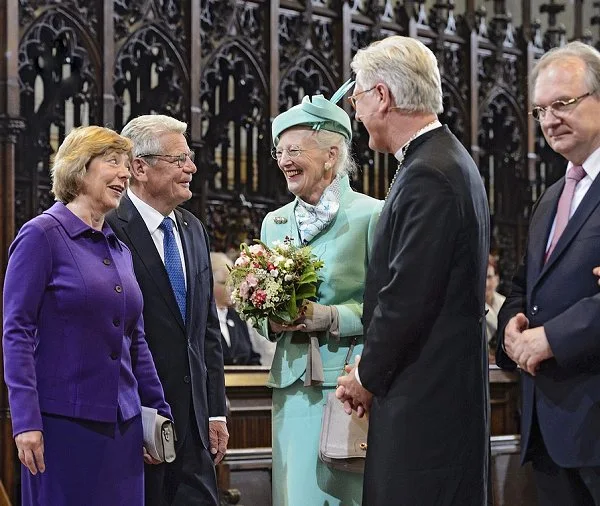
(311,220)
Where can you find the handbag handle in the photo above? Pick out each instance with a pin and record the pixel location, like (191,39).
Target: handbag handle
(349,354)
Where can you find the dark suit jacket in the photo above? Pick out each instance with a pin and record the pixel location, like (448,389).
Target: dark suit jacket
(240,352)
(425,355)
(563,296)
(188,356)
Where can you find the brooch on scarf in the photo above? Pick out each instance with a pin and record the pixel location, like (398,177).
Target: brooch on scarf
(280,220)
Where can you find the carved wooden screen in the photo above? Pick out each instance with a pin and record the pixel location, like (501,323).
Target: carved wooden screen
(59,73)
(227,67)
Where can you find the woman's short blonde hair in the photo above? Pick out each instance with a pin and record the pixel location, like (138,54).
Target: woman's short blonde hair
(72,158)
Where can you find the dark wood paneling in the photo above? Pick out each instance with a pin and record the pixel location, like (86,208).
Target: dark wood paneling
(249,419)
(504,401)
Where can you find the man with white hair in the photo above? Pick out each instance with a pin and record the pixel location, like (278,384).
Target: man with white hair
(423,372)
(171,259)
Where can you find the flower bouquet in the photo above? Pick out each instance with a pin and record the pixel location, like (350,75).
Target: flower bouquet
(273,282)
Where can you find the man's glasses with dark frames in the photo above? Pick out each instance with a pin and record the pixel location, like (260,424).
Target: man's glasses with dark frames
(558,107)
(178,159)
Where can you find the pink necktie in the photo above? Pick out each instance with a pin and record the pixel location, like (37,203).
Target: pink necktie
(576,174)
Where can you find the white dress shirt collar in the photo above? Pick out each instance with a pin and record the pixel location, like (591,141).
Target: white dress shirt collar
(151,216)
(591,165)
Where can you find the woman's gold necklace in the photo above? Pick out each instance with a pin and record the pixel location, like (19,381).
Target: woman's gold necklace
(403,154)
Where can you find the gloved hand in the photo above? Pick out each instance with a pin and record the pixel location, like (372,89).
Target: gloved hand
(282,327)
(318,317)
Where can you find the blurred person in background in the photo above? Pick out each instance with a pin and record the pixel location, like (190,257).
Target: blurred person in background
(493,303)
(235,338)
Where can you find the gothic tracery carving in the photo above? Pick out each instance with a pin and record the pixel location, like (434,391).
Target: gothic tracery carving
(58,76)
(84,9)
(150,76)
(236,136)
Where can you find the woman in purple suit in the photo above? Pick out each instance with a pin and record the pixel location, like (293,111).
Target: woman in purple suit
(76,362)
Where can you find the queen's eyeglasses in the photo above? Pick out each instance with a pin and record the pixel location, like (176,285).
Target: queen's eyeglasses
(292,151)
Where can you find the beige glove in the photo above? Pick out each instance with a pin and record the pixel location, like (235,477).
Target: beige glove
(318,317)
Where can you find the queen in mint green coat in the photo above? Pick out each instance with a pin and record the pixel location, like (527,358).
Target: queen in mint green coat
(312,150)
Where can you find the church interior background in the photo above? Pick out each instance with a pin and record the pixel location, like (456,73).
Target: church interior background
(227,67)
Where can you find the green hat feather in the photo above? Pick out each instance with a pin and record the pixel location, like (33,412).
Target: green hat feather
(316,112)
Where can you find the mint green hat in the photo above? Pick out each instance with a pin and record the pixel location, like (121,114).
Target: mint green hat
(316,112)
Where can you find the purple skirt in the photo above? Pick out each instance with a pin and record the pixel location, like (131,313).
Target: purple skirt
(88,464)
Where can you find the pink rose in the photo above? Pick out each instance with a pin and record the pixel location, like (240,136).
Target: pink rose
(257,249)
(244,290)
(242,261)
(252,280)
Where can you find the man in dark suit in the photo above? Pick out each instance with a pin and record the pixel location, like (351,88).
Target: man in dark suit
(550,322)
(423,372)
(235,337)
(172,265)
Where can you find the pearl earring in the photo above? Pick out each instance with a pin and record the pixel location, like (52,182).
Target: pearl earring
(327,166)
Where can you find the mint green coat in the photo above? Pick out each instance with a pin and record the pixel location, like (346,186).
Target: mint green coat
(299,478)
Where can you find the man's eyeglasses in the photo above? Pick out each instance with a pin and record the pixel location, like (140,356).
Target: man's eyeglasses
(292,151)
(354,98)
(178,159)
(557,108)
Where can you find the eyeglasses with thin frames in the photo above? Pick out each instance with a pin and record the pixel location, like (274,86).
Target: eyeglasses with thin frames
(354,98)
(178,159)
(292,151)
(558,108)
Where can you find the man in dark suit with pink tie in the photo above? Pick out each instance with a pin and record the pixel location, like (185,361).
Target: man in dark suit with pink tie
(549,325)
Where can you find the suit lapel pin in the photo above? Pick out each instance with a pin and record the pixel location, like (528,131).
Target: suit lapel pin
(185,223)
(280,220)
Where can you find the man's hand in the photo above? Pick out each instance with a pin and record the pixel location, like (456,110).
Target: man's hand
(218,435)
(534,350)
(149,459)
(30,446)
(527,347)
(513,334)
(352,393)
(596,272)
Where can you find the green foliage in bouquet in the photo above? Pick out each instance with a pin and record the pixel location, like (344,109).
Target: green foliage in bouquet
(273,282)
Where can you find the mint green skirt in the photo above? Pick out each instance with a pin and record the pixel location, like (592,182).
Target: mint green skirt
(299,477)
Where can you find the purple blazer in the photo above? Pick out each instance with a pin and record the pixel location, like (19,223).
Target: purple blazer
(73,331)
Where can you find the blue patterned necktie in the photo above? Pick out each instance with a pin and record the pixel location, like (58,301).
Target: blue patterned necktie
(173,264)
